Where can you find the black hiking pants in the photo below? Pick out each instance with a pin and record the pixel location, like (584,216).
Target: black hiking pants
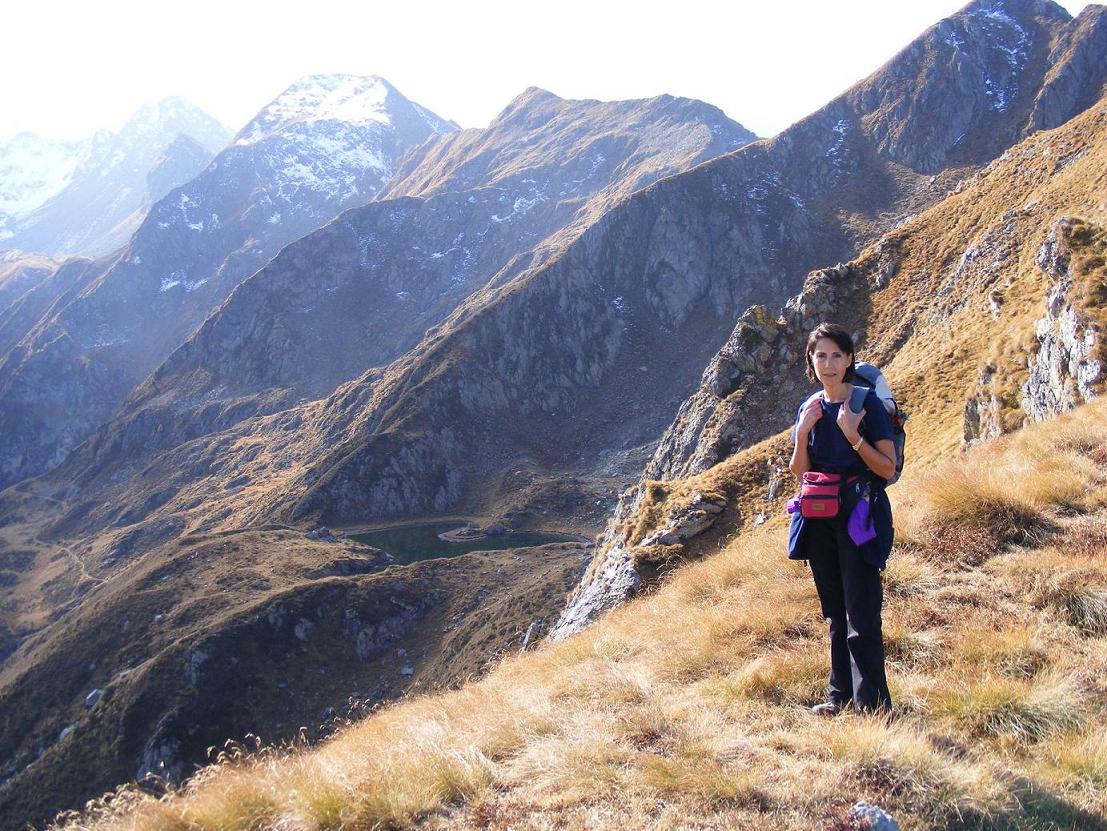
(851,594)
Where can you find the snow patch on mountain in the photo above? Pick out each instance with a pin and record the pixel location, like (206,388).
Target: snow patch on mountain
(345,98)
(1012,40)
(33,169)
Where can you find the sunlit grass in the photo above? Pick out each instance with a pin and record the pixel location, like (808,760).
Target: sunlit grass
(697,695)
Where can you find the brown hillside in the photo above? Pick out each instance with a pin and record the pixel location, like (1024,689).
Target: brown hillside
(688,708)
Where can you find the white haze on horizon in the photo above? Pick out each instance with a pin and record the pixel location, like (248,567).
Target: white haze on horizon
(73,67)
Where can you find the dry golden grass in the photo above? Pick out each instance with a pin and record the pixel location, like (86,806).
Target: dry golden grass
(696,696)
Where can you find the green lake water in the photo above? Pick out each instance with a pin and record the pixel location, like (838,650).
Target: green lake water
(420,542)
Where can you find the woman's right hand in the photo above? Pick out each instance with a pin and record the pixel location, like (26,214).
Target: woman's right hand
(812,412)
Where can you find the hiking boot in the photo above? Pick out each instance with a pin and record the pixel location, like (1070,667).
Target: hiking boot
(827,709)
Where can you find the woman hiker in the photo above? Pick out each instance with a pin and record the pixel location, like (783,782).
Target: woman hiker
(843,525)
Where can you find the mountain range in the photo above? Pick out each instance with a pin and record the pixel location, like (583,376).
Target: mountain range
(88,197)
(325,144)
(510,323)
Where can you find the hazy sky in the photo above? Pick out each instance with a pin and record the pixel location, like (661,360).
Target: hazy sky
(71,67)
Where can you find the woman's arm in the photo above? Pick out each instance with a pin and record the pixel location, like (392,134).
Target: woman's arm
(801,461)
(879,458)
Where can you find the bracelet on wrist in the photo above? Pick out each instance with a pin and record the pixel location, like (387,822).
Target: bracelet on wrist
(857,447)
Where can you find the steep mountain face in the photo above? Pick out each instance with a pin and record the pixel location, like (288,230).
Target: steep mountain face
(589,352)
(91,198)
(579,148)
(20,274)
(364,289)
(325,144)
(984,312)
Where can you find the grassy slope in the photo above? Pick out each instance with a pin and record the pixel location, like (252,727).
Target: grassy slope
(688,706)
(236,598)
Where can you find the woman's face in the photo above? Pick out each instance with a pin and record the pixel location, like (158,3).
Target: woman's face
(830,362)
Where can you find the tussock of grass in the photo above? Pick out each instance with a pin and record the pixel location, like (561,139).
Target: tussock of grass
(964,513)
(1008,708)
(1068,581)
(791,677)
(904,764)
(696,696)
(1079,762)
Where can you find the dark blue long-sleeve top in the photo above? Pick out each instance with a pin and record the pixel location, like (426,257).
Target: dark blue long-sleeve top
(830,452)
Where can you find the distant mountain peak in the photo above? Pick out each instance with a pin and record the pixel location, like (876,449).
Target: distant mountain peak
(999,8)
(351,98)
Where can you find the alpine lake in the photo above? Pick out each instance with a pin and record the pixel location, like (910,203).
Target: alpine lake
(412,543)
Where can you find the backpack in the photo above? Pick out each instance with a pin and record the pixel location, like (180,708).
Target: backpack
(868,377)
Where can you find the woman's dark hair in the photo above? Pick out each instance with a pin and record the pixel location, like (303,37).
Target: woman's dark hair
(841,337)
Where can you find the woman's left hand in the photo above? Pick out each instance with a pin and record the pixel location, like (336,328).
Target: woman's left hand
(849,422)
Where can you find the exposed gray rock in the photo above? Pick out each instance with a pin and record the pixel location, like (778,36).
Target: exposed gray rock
(982,416)
(615,581)
(193,661)
(159,759)
(1078,56)
(374,639)
(872,817)
(612,577)
(92,698)
(531,634)
(694,518)
(1065,371)
(303,629)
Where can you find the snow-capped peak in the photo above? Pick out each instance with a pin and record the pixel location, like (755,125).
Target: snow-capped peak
(349,98)
(32,169)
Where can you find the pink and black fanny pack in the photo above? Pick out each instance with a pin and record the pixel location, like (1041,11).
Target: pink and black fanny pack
(820,495)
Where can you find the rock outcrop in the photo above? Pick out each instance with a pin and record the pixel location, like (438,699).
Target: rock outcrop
(1066,368)
(738,404)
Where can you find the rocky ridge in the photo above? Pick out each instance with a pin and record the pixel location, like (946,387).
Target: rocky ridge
(367,287)
(930,299)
